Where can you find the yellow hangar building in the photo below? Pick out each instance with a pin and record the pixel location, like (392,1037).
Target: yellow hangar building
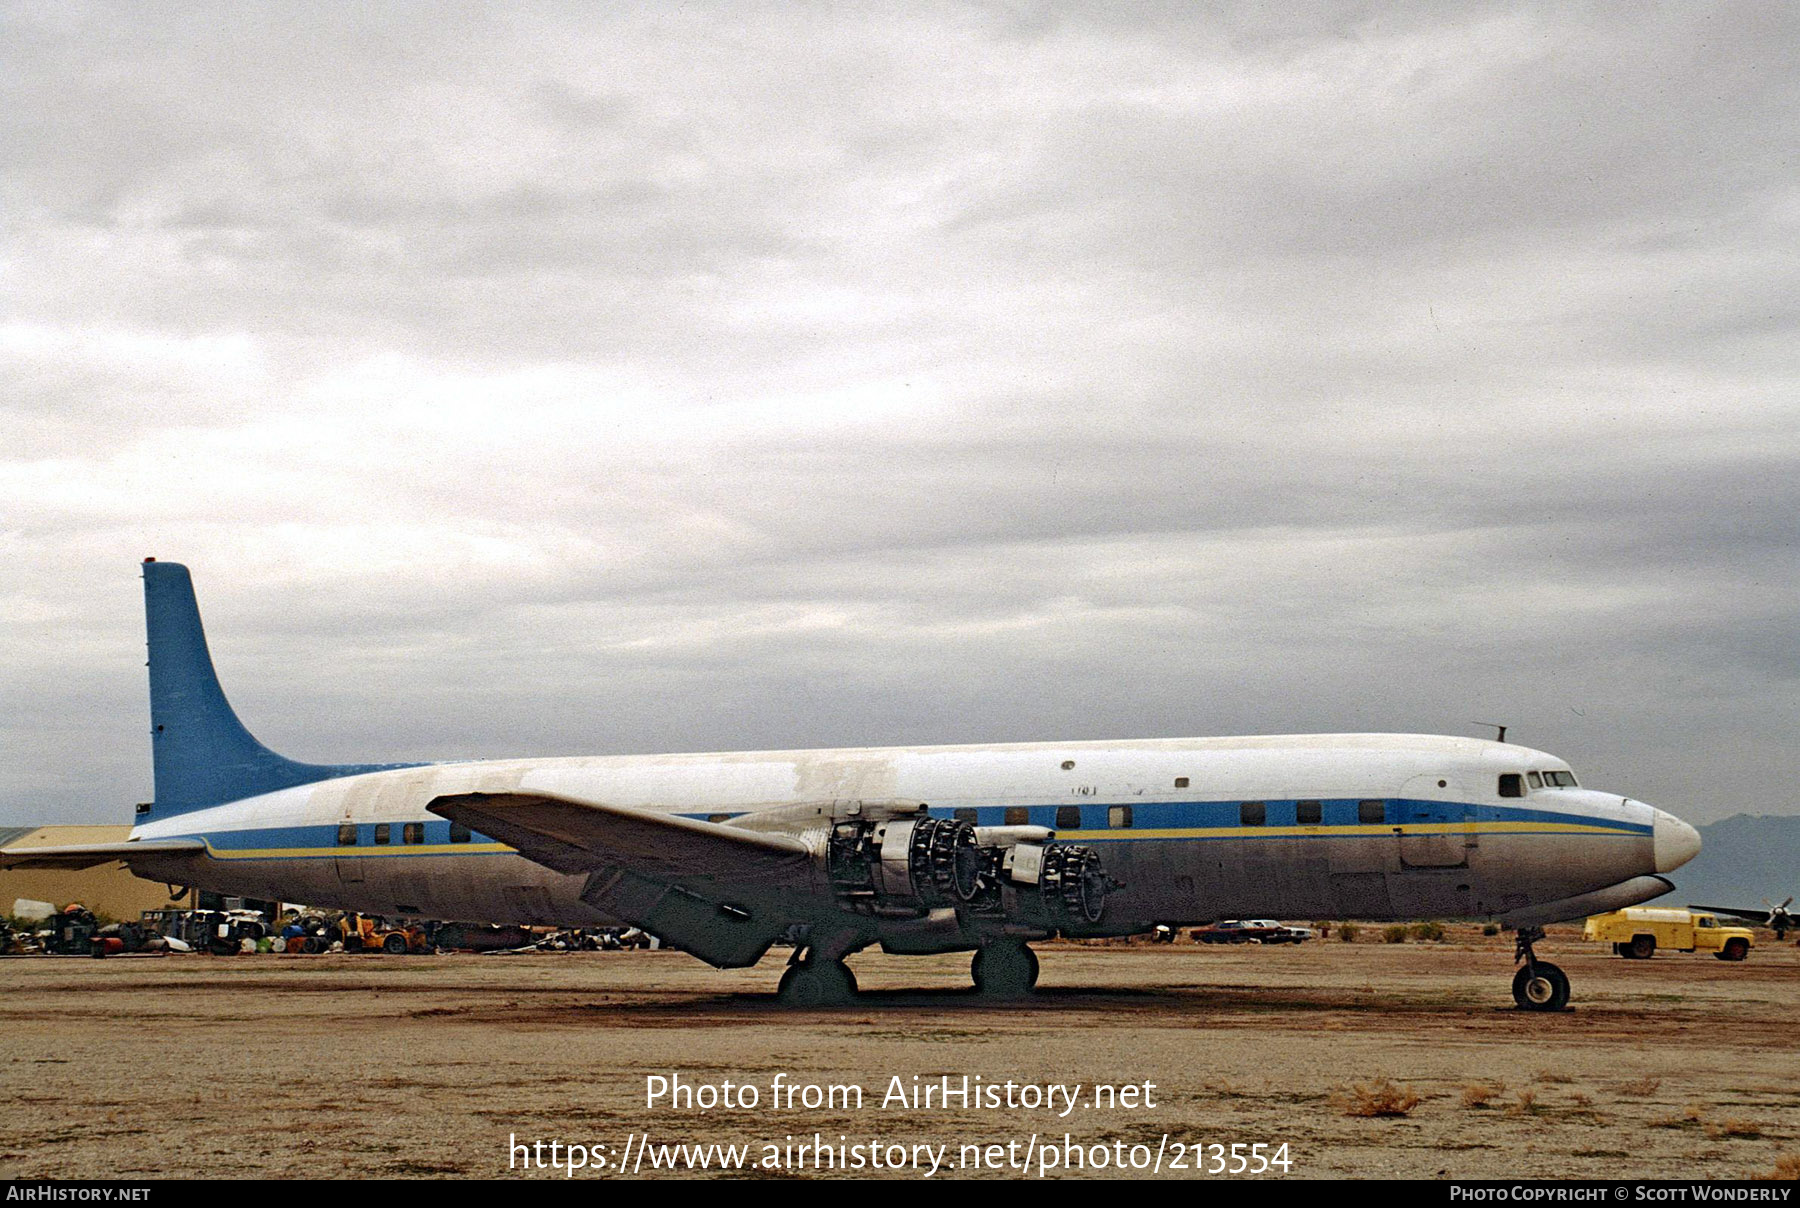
(107,889)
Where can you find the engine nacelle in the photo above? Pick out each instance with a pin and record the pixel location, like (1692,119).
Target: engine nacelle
(904,867)
(910,866)
(1056,884)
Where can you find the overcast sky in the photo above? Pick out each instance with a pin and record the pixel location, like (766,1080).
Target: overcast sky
(540,379)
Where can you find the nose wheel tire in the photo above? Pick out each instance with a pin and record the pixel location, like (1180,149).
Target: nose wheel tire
(817,984)
(1540,986)
(1005,970)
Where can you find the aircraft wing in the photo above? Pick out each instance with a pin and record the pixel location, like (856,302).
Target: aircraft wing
(1759,917)
(574,836)
(86,855)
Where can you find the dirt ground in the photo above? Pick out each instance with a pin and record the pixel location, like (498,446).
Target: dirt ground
(274,1066)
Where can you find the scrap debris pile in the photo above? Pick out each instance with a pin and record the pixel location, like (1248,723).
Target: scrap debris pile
(39,929)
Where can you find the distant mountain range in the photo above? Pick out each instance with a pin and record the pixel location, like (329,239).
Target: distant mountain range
(1744,859)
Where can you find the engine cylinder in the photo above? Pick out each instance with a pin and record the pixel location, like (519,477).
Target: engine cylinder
(904,866)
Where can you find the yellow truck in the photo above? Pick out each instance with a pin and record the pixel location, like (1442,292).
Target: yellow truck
(1638,931)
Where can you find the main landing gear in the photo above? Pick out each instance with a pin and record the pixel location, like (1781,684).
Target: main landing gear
(816,983)
(1005,969)
(1538,985)
(817,976)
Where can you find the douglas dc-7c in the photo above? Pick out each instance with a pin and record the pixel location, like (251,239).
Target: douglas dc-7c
(980,849)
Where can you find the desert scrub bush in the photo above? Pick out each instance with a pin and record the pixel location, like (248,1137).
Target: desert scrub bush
(1427,931)
(1640,1086)
(1491,929)
(1394,935)
(1378,1098)
(1787,1168)
(1693,1117)
(1347,932)
(1477,1095)
(1552,1076)
(1734,1126)
(1525,1105)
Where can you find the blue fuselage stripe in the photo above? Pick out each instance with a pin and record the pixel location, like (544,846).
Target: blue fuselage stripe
(1225,819)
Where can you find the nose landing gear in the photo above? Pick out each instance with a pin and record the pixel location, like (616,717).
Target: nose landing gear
(1538,985)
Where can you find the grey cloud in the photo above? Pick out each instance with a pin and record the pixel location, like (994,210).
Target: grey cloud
(544,379)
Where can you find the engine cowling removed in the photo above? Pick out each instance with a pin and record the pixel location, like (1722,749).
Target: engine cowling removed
(906,867)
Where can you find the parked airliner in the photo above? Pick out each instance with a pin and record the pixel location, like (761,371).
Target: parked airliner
(981,849)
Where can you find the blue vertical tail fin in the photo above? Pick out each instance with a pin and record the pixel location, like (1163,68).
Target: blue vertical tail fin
(203,755)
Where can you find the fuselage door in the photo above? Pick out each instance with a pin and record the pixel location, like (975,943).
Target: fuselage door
(1432,824)
(349,836)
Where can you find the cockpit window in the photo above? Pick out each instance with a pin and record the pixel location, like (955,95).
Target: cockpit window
(1535,779)
(1561,780)
(1512,784)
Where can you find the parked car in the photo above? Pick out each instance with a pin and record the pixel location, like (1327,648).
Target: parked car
(1250,931)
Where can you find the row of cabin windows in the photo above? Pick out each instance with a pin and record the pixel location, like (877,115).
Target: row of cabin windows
(410,832)
(1309,813)
(1250,813)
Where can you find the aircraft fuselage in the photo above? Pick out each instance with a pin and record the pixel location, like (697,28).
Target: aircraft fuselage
(1364,826)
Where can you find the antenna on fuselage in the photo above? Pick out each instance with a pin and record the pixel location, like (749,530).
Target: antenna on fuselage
(1496,725)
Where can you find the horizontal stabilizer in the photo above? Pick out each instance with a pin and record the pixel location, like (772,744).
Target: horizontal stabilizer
(573,836)
(87,855)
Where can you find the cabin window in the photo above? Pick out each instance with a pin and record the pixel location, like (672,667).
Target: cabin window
(347,835)
(1252,813)
(413,832)
(1118,816)
(459,833)
(963,815)
(1018,815)
(1181,782)
(1706,920)
(1309,813)
(1512,784)
(1371,811)
(1534,779)
(381,832)
(1068,817)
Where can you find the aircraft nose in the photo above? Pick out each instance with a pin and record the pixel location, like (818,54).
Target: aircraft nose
(1674,841)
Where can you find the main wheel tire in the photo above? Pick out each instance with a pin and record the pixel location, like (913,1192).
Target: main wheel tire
(394,944)
(817,984)
(1642,947)
(1540,986)
(1734,950)
(1005,970)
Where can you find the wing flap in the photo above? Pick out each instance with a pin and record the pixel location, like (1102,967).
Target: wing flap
(574,836)
(87,855)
